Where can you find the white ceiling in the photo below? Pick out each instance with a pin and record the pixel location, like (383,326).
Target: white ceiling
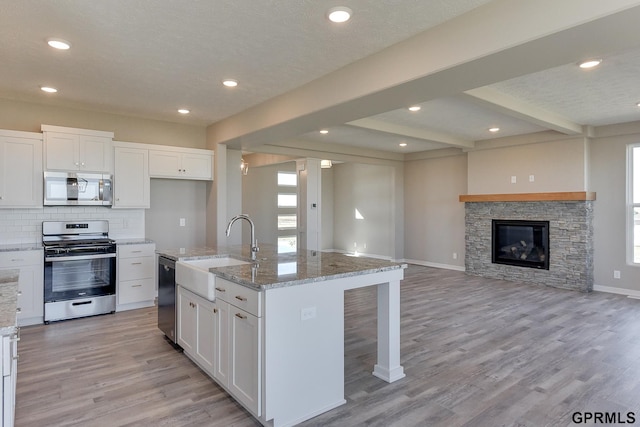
(147,58)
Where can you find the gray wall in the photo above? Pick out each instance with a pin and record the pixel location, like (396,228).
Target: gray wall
(369,189)
(608,177)
(172,199)
(28,117)
(434,217)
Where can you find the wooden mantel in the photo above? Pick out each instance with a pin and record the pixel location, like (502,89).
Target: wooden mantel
(571,196)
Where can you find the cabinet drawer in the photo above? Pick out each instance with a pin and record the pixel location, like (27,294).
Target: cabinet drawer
(239,296)
(131,291)
(20,258)
(136,268)
(130,251)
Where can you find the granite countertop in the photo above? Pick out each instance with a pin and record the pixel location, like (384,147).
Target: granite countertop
(20,247)
(138,241)
(273,270)
(8,300)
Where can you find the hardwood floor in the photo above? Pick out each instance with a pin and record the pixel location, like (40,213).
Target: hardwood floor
(476,352)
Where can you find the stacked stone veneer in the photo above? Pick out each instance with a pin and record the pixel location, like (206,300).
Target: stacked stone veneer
(570,242)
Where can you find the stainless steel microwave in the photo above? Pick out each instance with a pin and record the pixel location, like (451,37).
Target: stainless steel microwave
(68,188)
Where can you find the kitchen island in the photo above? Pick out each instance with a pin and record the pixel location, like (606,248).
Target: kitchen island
(8,344)
(277,327)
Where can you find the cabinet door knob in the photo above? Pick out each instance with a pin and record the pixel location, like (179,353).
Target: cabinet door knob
(215,311)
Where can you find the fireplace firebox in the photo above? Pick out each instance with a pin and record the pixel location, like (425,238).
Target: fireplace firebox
(520,243)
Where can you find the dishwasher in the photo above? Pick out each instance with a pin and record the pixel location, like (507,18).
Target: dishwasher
(167,297)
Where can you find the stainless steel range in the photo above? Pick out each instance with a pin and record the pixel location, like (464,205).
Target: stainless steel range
(79,269)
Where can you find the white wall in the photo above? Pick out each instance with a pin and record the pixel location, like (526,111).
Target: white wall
(434,217)
(259,201)
(327,207)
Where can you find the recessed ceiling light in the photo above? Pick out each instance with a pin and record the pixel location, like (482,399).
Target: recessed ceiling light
(494,129)
(637,104)
(230,83)
(324,131)
(339,14)
(48,89)
(183,111)
(415,108)
(59,44)
(403,144)
(590,63)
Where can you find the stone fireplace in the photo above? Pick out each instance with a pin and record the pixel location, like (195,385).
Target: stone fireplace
(570,237)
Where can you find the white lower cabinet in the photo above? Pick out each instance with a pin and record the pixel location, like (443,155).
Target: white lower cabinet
(136,276)
(9,366)
(30,285)
(196,326)
(225,340)
(245,357)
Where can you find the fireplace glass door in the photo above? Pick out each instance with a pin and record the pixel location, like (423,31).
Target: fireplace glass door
(520,243)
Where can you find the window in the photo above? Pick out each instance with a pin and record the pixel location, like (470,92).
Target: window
(287,212)
(633,204)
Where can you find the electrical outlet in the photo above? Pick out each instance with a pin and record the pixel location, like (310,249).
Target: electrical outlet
(183,222)
(307,313)
(455,255)
(513,179)
(616,274)
(532,178)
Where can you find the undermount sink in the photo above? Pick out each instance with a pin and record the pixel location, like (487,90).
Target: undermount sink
(195,276)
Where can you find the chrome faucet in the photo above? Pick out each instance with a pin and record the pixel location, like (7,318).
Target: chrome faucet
(254,242)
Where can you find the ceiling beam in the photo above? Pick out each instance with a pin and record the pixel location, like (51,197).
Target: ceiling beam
(497,41)
(425,134)
(497,101)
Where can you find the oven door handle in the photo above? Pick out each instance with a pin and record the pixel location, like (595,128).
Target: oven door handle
(77,257)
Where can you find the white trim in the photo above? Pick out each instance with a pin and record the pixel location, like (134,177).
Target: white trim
(435,265)
(620,291)
(76,131)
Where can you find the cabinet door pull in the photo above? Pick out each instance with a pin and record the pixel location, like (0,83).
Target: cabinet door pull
(215,311)
(240,316)
(136,263)
(19,293)
(17,260)
(136,286)
(221,289)
(241,298)
(135,252)
(18,310)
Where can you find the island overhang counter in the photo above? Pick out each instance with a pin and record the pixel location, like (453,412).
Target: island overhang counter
(299,326)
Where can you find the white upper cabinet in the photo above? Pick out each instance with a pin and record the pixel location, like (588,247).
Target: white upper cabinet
(20,169)
(181,163)
(70,149)
(131,187)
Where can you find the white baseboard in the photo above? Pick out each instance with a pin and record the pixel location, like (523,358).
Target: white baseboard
(339,251)
(434,264)
(620,291)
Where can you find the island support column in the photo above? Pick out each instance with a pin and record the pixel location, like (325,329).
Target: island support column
(388,367)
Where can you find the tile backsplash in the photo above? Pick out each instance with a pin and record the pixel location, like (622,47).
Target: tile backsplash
(20,226)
